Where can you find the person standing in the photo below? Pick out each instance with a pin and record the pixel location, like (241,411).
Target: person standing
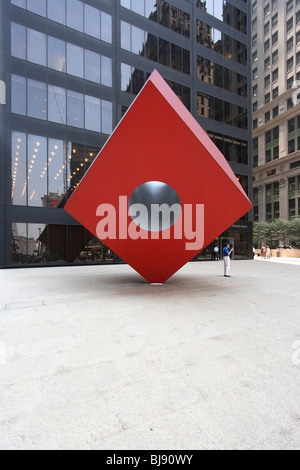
(216,253)
(226,257)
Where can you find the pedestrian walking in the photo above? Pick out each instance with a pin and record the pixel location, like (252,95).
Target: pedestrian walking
(226,257)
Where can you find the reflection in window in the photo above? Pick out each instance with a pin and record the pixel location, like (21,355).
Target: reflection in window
(56,54)
(37,170)
(96,23)
(75,14)
(58,171)
(75,109)
(37,6)
(57,11)
(18,95)
(106,71)
(92,21)
(56,104)
(137,40)
(106,117)
(20,243)
(18,169)
(37,99)
(46,171)
(18,41)
(92,114)
(106,27)
(36,47)
(92,66)
(75,60)
(140,42)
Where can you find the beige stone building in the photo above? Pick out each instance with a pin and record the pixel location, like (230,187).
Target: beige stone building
(276,112)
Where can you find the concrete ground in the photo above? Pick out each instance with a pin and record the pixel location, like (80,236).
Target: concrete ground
(95,358)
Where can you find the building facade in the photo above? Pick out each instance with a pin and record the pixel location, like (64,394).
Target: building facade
(276,110)
(71,69)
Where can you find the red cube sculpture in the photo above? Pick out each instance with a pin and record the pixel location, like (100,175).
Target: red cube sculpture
(158,154)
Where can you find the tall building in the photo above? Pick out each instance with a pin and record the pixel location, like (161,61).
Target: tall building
(72,68)
(276,112)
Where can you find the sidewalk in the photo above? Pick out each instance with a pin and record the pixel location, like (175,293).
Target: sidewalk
(95,358)
(295,261)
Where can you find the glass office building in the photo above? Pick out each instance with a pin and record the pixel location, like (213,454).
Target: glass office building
(71,70)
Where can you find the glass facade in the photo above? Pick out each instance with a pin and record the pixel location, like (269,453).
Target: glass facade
(72,69)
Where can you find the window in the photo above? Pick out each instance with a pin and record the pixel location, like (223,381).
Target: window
(292,207)
(291,146)
(92,66)
(254,56)
(275,93)
(254,40)
(267,10)
(275,76)
(57,11)
(37,6)
(37,99)
(276,210)
(75,14)
(269,211)
(18,41)
(92,114)
(289,6)
(267,116)
(274,57)
(290,64)
(289,83)
(91,21)
(255,88)
(106,71)
(255,73)
(267,98)
(267,63)
(289,24)
(36,47)
(267,28)
(291,125)
(106,27)
(106,117)
(57,54)
(255,106)
(267,45)
(290,44)
(275,38)
(18,95)
(275,20)
(267,81)
(75,60)
(276,152)
(275,112)
(56,104)
(75,109)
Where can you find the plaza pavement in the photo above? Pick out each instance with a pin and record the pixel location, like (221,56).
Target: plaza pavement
(95,358)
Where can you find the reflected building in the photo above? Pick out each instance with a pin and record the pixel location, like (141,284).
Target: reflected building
(72,69)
